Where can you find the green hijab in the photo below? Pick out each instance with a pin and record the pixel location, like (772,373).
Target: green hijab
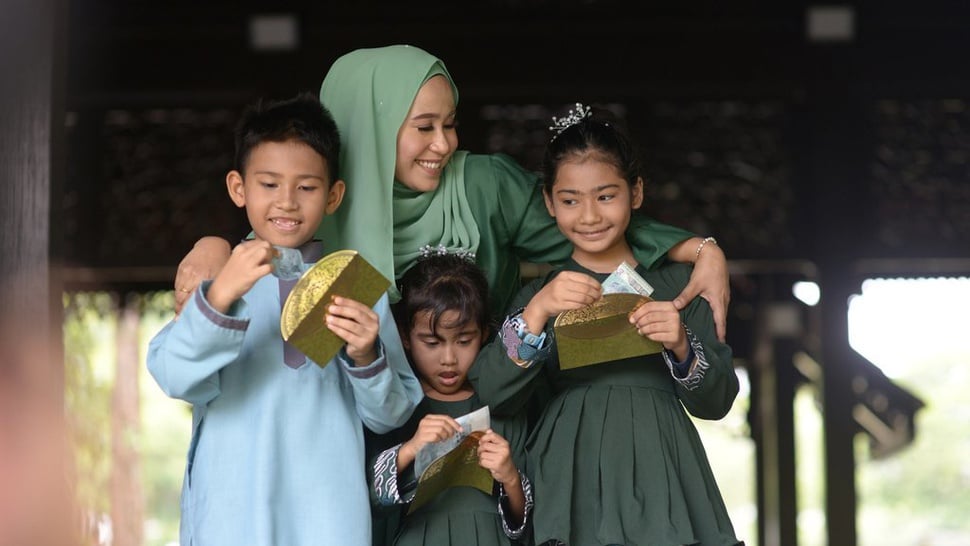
(369,92)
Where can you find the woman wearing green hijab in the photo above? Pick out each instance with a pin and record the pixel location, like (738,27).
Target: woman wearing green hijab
(389,102)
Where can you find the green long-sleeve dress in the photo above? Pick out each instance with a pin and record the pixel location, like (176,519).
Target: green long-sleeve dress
(613,455)
(459,516)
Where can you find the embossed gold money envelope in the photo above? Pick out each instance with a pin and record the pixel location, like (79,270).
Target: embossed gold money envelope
(601,332)
(342,273)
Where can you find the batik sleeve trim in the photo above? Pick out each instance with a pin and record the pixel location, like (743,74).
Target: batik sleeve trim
(698,364)
(503,508)
(385,487)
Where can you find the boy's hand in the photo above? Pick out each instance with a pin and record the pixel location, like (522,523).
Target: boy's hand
(660,322)
(204,261)
(567,290)
(356,324)
(495,456)
(249,262)
(431,428)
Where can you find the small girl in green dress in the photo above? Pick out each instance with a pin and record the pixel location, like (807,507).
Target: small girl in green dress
(613,455)
(443,314)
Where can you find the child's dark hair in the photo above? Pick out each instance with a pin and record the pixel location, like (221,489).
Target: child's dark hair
(300,118)
(592,138)
(441,283)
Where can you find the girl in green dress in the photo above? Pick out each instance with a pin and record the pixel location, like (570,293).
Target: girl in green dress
(613,455)
(444,321)
(408,184)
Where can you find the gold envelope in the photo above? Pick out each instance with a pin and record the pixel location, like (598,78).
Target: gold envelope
(457,467)
(342,273)
(601,332)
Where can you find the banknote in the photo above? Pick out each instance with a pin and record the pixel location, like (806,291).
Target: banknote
(287,263)
(625,280)
(478,420)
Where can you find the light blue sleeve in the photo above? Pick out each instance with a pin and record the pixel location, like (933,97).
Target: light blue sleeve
(186,355)
(386,391)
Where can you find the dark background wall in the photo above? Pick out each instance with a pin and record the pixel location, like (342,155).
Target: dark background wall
(781,146)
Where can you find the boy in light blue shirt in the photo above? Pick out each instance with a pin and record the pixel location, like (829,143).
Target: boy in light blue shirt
(277,450)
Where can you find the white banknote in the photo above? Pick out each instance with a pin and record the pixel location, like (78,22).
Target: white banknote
(479,419)
(625,280)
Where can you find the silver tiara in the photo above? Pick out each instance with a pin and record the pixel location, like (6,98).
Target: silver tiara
(572,118)
(428,251)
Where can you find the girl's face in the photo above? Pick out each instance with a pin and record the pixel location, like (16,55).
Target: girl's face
(443,358)
(427,138)
(592,204)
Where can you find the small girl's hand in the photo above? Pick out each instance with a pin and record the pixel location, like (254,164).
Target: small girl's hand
(356,324)
(431,428)
(249,262)
(660,322)
(495,456)
(567,290)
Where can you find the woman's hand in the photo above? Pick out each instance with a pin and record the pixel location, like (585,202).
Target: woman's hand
(204,261)
(709,280)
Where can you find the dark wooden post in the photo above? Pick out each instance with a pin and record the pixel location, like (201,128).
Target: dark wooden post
(35,501)
(31,126)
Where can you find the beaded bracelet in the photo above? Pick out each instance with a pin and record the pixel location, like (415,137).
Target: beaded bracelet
(697,253)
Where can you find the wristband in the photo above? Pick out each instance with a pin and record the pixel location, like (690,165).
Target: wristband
(531,347)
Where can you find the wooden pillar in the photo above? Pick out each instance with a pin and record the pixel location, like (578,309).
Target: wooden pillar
(31,147)
(35,464)
(127,499)
(773,385)
(837,156)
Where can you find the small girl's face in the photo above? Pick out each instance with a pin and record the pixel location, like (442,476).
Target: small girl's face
(428,138)
(443,358)
(592,204)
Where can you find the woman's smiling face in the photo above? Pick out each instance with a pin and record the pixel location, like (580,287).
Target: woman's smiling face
(428,137)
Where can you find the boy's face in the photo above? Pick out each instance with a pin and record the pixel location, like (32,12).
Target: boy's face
(285,192)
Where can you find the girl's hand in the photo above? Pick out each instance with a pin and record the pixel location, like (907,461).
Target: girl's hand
(431,428)
(356,324)
(660,322)
(204,261)
(495,456)
(249,262)
(567,290)
(711,281)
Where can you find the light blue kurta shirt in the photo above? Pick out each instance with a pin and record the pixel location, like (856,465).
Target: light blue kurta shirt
(277,451)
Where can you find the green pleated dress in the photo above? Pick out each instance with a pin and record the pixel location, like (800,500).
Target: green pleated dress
(459,516)
(613,455)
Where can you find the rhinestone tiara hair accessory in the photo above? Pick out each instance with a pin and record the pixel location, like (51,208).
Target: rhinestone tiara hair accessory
(428,251)
(577,114)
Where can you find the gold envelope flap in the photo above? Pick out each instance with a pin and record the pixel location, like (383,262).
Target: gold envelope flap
(601,332)
(342,273)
